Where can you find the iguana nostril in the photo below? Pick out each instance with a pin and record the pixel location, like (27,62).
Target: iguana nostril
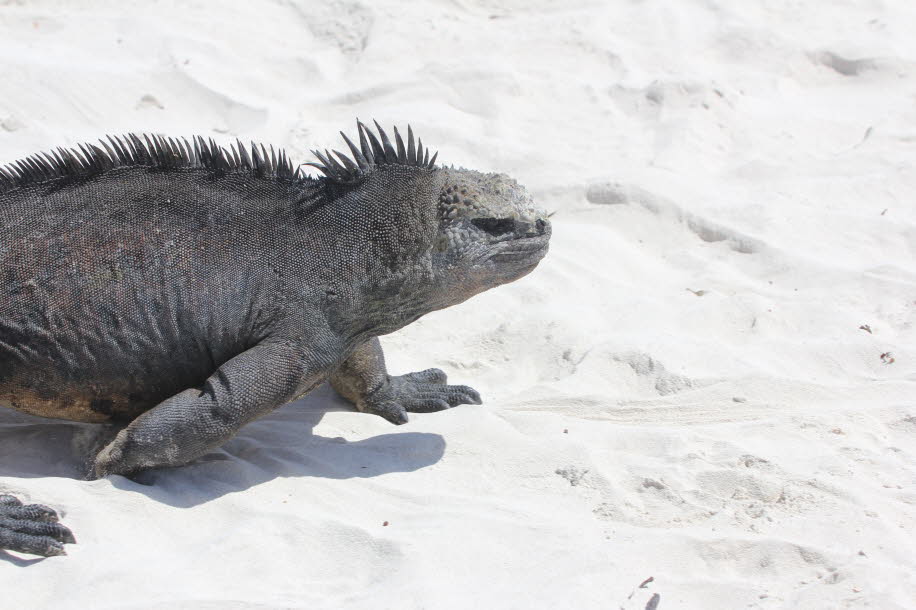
(541,225)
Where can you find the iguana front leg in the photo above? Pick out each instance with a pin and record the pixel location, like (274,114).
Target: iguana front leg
(364,381)
(191,423)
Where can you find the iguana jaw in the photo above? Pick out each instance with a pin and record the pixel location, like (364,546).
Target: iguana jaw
(516,253)
(522,251)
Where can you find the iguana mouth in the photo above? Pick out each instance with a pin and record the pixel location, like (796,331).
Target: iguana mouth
(525,245)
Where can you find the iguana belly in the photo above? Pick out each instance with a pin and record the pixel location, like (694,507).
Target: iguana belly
(73,406)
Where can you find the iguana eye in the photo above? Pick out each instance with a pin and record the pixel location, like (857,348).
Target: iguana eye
(495,226)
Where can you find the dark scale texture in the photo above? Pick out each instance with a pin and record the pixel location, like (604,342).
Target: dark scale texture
(184,290)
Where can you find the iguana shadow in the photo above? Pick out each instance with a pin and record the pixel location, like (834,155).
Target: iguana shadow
(279,445)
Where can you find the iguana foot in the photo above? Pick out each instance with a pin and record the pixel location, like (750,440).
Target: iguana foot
(31,529)
(422,392)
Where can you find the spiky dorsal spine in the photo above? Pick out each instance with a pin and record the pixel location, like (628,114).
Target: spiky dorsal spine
(372,151)
(155,151)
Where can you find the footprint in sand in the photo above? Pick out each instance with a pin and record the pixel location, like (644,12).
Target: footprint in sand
(616,193)
(645,366)
(149,101)
(844,66)
(10,123)
(342,23)
(573,474)
(649,102)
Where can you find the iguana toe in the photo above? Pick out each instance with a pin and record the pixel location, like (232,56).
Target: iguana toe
(448,395)
(387,408)
(436,376)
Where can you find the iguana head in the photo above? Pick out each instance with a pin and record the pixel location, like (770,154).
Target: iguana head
(489,230)
(467,230)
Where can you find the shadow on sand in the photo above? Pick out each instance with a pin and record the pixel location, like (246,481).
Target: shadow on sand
(279,445)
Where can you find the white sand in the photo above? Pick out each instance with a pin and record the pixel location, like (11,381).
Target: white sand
(682,390)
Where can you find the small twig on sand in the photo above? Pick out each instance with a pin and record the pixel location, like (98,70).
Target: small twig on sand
(642,585)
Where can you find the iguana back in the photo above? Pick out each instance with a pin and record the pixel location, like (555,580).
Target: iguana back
(123,287)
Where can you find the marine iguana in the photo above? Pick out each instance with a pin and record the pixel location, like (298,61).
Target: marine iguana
(183,290)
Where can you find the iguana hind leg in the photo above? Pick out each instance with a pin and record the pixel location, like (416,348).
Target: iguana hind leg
(364,381)
(31,529)
(191,423)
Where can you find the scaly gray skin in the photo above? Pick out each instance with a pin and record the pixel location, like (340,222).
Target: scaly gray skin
(184,290)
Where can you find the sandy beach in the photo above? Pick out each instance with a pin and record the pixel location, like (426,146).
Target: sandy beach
(710,381)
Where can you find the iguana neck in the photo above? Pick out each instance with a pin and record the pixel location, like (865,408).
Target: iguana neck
(372,263)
